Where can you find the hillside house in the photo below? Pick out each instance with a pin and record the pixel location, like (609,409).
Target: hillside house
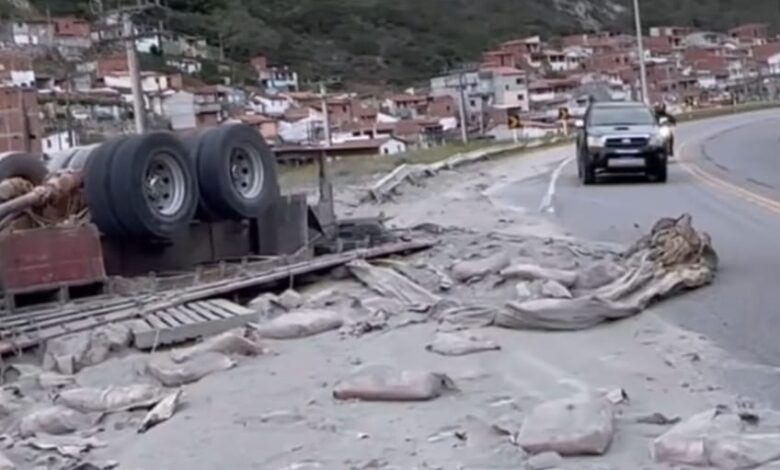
(302,125)
(274,79)
(752,34)
(271,105)
(674,35)
(767,57)
(32,32)
(20,124)
(189,109)
(72,33)
(267,126)
(16,70)
(406,105)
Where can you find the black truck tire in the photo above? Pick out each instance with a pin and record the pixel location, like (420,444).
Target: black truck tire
(588,174)
(153,186)
(236,172)
(97,186)
(193,141)
(23,165)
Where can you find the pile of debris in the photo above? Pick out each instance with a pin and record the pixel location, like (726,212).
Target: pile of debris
(467,282)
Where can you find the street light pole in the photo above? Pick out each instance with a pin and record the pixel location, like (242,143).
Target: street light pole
(641,51)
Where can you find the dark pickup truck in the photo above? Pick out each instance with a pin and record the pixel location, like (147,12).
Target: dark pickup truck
(619,134)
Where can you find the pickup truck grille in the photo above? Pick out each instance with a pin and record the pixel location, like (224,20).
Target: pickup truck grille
(626,142)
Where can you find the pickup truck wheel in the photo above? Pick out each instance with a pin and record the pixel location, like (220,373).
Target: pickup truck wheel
(588,174)
(236,172)
(660,172)
(154,190)
(96,188)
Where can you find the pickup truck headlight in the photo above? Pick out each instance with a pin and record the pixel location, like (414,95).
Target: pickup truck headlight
(657,139)
(594,141)
(665,132)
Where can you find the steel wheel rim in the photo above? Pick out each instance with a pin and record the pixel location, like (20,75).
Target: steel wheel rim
(247,174)
(165,185)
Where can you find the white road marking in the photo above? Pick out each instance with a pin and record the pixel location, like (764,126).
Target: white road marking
(548,202)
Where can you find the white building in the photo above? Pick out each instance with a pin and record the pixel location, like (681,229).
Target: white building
(58,141)
(308,128)
(278,79)
(32,33)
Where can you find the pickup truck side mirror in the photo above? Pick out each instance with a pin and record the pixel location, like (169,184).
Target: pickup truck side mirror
(579,124)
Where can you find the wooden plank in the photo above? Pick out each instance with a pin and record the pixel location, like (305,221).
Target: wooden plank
(169,319)
(214,309)
(204,311)
(181,316)
(146,304)
(232,306)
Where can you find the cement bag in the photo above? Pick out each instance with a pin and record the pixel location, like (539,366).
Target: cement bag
(743,451)
(172,374)
(300,324)
(460,343)
(54,420)
(6,463)
(532,272)
(717,438)
(241,341)
(470,270)
(379,383)
(581,425)
(112,399)
(71,353)
(561,314)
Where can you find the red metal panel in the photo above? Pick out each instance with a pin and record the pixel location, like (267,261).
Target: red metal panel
(50,257)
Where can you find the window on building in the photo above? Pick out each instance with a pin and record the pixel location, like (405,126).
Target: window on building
(472,103)
(519,81)
(507,88)
(520,97)
(48,144)
(344,108)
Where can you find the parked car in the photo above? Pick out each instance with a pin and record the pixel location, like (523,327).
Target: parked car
(619,134)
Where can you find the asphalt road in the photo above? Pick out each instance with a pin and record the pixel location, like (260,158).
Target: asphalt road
(737,201)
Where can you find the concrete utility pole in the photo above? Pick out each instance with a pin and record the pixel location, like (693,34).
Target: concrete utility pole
(641,51)
(325,114)
(139,110)
(464,132)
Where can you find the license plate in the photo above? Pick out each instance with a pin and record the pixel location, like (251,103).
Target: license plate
(626,162)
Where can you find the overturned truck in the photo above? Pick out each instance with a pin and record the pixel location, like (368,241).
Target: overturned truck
(158,229)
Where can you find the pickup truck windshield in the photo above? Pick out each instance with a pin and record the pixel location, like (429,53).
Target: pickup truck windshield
(621,116)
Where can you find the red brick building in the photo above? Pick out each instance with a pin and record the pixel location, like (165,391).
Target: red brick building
(20,125)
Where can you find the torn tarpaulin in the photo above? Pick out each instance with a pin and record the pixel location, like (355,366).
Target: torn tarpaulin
(673,258)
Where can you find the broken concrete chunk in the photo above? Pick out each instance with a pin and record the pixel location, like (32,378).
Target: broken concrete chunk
(460,343)
(532,272)
(555,290)
(717,438)
(33,377)
(582,425)
(392,284)
(111,399)
(300,324)
(163,411)
(241,341)
(657,419)
(68,446)
(380,383)
(173,374)
(471,270)
(289,300)
(53,420)
(544,461)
